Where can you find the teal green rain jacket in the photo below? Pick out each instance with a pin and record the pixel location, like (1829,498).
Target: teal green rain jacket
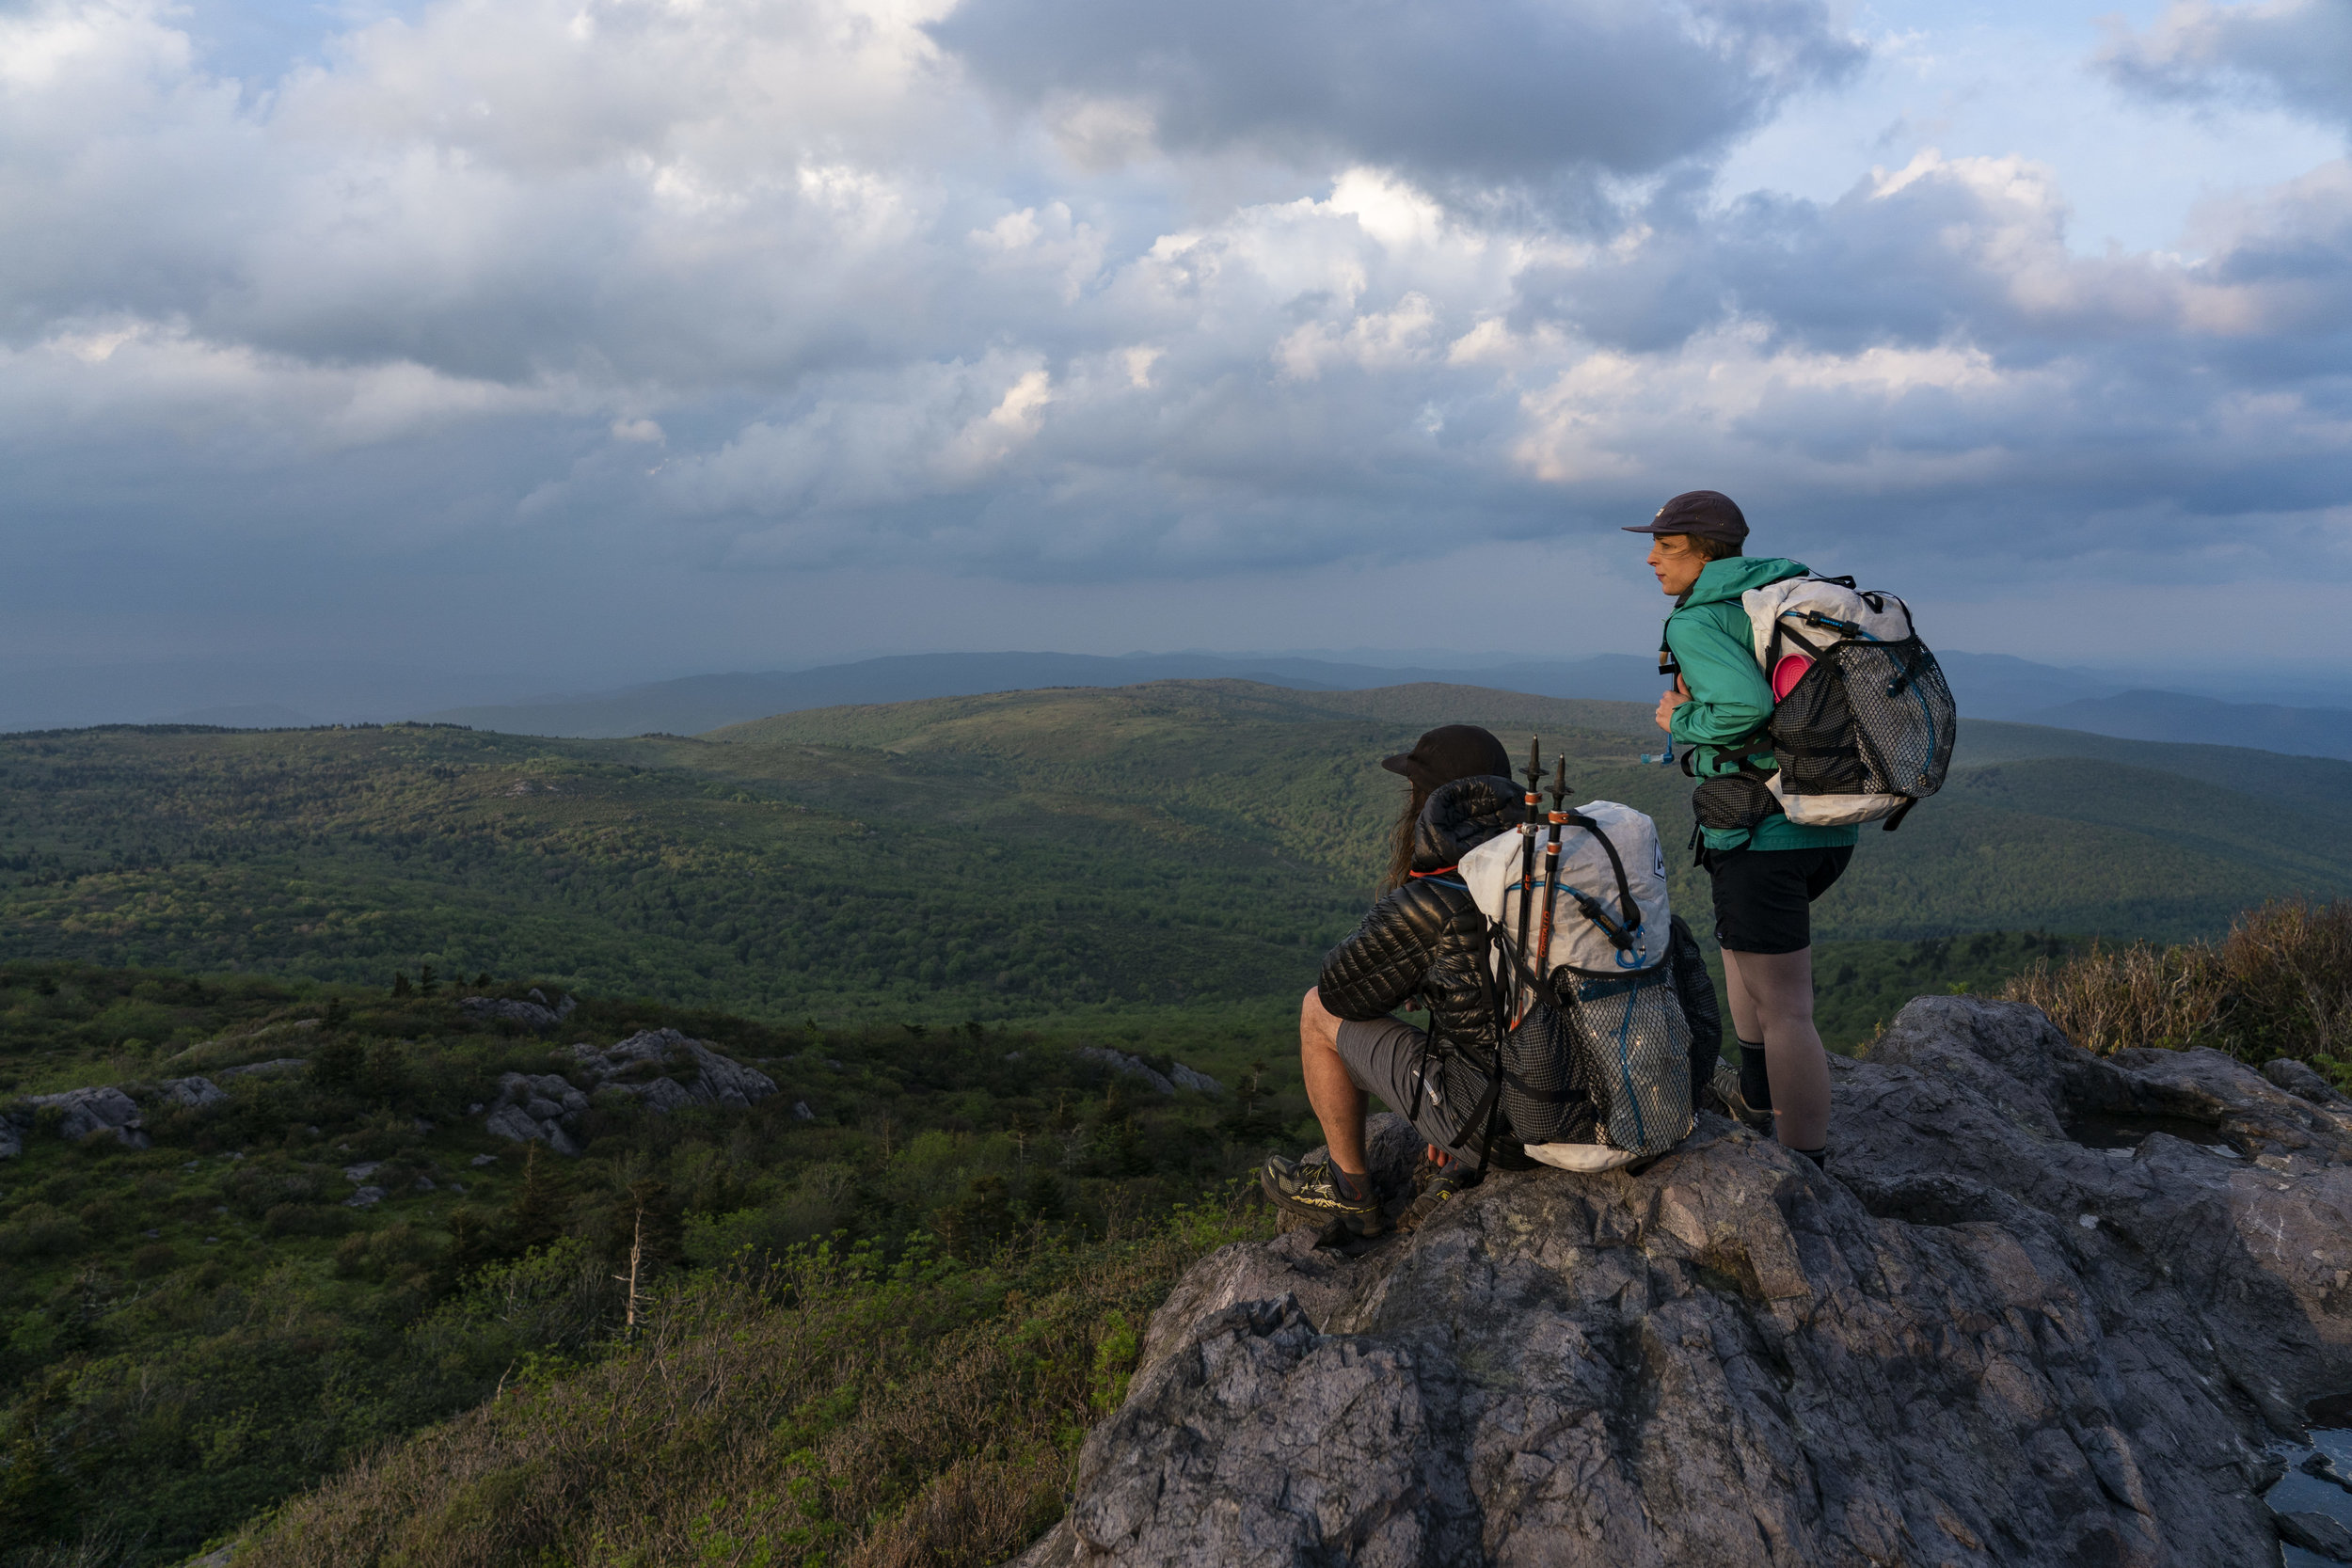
(1709,636)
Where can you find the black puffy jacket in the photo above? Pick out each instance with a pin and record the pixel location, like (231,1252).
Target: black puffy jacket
(1427,940)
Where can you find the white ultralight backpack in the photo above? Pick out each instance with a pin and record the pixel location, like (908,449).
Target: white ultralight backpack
(1601,1045)
(1864,723)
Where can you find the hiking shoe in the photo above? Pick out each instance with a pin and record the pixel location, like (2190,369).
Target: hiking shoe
(1727,1086)
(1313,1192)
(1448,1184)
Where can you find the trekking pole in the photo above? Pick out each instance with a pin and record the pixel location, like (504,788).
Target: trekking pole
(1551,860)
(1527,863)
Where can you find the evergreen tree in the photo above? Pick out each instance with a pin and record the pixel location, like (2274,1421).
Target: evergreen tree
(536,1217)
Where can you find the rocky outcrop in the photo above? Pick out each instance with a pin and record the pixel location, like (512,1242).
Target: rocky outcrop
(538,1107)
(534,1014)
(669,1071)
(1177,1076)
(82,1112)
(665,1070)
(194,1093)
(1974,1341)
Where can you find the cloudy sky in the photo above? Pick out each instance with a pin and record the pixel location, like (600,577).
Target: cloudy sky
(614,338)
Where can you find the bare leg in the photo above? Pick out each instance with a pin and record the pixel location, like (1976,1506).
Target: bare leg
(1338,1104)
(1771,1000)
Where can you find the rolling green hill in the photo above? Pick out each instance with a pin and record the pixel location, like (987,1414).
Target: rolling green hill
(1191,845)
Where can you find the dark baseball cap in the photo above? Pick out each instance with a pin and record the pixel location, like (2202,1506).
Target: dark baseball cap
(1451,751)
(1708,513)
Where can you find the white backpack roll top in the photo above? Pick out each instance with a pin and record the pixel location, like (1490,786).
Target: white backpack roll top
(1589,883)
(1783,606)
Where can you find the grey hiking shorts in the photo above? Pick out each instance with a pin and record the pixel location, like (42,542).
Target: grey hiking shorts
(1386,1058)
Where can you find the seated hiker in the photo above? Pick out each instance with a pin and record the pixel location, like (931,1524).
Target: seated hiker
(1425,942)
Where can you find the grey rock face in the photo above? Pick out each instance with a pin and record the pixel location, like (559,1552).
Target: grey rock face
(2316,1533)
(534,1014)
(12,1138)
(1974,1342)
(1198,1082)
(716,1080)
(366,1197)
(546,1108)
(2302,1080)
(104,1109)
(1133,1067)
(195,1093)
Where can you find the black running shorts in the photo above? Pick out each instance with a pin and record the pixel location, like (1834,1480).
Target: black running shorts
(1763,897)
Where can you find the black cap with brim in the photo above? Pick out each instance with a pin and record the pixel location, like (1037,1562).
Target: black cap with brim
(1707,514)
(1449,752)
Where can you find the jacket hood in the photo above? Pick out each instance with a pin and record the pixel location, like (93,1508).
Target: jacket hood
(1460,817)
(1729,579)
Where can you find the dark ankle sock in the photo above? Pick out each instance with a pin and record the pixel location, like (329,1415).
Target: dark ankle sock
(1354,1188)
(1755,1085)
(1819,1156)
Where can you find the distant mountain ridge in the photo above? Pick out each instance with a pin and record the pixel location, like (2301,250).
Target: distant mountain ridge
(1989,686)
(2174,716)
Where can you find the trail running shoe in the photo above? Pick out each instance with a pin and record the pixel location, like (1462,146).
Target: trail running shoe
(1448,1184)
(1313,1191)
(1727,1086)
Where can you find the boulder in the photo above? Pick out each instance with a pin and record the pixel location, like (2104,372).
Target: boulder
(515,1122)
(2302,1080)
(716,1079)
(2316,1533)
(1198,1082)
(534,1014)
(195,1093)
(1973,1340)
(104,1109)
(1133,1067)
(12,1138)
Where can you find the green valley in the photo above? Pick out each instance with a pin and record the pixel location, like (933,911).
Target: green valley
(1175,848)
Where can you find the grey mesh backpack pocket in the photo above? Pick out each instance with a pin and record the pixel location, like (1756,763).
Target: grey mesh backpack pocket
(1632,1048)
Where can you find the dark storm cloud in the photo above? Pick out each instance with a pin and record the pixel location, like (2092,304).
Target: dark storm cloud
(1484,93)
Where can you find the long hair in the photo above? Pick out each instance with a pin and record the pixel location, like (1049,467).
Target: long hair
(1401,840)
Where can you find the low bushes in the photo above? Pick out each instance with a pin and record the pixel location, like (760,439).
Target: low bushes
(2279,985)
(824,1409)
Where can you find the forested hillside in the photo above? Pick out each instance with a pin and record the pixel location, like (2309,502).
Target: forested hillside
(1192,844)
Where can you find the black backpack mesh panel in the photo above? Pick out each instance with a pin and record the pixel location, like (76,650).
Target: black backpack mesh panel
(1632,1045)
(1904,718)
(1866,718)
(1814,735)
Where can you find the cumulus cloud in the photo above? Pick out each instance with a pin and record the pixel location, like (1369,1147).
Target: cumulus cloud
(2296,53)
(818,285)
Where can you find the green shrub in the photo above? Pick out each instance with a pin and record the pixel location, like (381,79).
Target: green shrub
(39,1230)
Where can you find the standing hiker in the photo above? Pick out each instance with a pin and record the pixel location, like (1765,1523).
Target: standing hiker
(1766,874)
